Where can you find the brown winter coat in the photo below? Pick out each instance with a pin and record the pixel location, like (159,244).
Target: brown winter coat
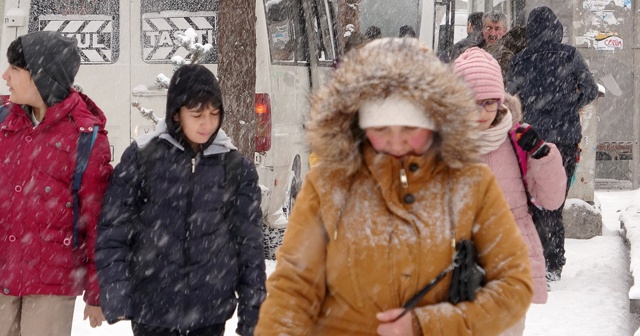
(359,243)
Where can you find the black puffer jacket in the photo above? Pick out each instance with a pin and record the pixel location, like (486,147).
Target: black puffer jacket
(176,259)
(551,79)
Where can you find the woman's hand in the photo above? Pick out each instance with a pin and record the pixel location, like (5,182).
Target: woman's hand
(392,327)
(94,313)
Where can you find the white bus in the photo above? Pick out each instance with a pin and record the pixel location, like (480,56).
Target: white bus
(125,44)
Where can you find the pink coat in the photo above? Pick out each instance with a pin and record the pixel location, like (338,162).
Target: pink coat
(547,182)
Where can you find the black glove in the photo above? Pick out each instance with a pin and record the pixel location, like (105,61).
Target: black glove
(530,141)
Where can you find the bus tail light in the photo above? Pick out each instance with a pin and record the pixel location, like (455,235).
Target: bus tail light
(263,122)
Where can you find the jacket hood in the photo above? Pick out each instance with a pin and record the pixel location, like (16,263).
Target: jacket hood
(391,66)
(53,61)
(512,103)
(220,144)
(96,117)
(543,26)
(191,83)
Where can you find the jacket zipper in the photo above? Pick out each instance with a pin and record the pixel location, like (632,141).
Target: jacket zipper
(187,224)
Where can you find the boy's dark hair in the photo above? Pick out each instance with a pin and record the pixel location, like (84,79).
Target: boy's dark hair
(192,85)
(15,54)
(475,19)
(407,31)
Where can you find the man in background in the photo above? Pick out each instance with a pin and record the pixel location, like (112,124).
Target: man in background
(494,26)
(474,38)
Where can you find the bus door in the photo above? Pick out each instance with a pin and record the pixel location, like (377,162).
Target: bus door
(287,70)
(95,24)
(446,10)
(321,17)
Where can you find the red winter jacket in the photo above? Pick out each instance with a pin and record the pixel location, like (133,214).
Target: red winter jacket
(37,255)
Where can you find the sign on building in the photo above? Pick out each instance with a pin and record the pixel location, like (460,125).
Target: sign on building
(159,40)
(609,42)
(93,32)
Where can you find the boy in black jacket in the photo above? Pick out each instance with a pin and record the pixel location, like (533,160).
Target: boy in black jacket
(180,233)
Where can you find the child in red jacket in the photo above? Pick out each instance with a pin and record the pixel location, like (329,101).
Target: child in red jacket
(46,252)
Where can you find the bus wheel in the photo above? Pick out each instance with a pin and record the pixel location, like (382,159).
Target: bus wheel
(272,240)
(290,199)
(273,236)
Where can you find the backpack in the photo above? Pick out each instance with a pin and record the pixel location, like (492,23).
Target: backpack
(85,144)
(522,157)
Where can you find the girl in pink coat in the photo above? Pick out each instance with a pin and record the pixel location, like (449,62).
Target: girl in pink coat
(544,179)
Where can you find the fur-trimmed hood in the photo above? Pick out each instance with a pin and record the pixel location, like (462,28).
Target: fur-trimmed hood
(512,103)
(391,66)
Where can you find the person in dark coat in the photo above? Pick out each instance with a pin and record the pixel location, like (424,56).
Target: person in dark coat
(554,83)
(47,257)
(180,233)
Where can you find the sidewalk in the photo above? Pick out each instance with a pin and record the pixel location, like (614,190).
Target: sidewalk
(592,299)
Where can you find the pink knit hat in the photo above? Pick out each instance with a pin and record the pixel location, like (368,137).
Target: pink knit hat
(481,72)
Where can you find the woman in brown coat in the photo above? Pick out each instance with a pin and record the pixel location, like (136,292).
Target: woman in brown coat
(374,221)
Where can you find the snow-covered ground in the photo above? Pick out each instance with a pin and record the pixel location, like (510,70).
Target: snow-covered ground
(592,299)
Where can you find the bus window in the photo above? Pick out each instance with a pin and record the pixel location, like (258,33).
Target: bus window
(287,32)
(95,24)
(389,16)
(280,29)
(513,9)
(162,19)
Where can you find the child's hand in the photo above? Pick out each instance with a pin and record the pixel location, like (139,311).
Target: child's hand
(392,327)
(531,142)
(94,313)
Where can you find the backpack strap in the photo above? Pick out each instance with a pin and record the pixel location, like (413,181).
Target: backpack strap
(522,157)
(146,160)
(4,112)
(85,144)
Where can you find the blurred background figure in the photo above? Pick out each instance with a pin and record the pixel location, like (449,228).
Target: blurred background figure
(373,32)
(407,31)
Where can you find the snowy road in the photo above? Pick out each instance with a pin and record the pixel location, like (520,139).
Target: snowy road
(590,300)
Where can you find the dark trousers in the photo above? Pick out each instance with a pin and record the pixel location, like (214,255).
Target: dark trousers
(145,330)
(549,223)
